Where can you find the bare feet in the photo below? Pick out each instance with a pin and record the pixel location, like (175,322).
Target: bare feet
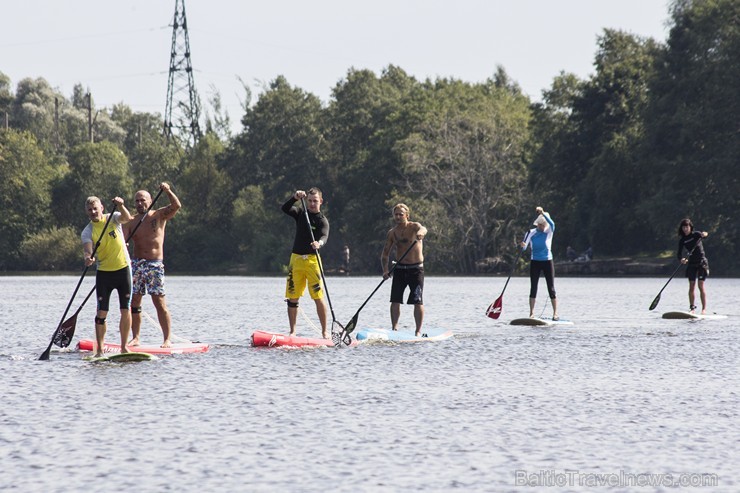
(166,343)
(292,333)
(134,342)
(98,355)
(324,335)
(124,350)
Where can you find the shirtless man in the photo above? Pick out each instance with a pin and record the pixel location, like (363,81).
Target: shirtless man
(409,273)
(148,261)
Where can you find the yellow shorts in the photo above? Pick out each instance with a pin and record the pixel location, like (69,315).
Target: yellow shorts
(303,270)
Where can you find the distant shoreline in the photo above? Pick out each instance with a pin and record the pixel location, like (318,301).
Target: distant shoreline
(599,267)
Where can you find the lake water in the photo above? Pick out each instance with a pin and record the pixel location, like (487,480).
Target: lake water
(621,398)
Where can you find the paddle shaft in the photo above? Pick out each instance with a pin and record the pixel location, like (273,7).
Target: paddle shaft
(384,279)
(318,256)
(350,327)
(45,354)
(497,302)
(130,235)
(513,266)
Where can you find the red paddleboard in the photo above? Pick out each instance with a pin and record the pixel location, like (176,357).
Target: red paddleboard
(270,339)
(177,347)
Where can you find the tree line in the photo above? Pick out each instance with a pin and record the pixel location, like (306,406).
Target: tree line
(618,159)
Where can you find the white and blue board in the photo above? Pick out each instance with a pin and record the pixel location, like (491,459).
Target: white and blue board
(402,336)
(541,322)
(692,316)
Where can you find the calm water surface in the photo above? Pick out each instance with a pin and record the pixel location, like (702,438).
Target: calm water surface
(620,395)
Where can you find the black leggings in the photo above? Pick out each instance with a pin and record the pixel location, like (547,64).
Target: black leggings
(548,268)
(107,281)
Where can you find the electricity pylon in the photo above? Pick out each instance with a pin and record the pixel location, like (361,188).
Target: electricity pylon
(182,112)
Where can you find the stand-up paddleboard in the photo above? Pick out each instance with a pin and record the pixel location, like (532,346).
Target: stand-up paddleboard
(543,322)
(402,336)
(271,339)
(692,316)
(176,348)
(121,357)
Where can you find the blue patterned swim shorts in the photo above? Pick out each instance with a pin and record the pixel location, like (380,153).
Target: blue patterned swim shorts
(148,277)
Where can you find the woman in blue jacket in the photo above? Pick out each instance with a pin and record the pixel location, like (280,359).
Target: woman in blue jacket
(540,238)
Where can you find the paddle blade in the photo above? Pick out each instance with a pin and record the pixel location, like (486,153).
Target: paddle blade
(45,355)
(63,336)
(494,311)
(351,325)
(655,302)
(336,338)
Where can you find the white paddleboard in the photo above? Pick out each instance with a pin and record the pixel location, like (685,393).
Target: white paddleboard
(692,316)
(546,322)
(402,336)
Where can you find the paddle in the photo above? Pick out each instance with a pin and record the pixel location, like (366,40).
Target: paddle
(321,268)
(657,298)
(495,308)
(65,331)
(344,336)
(69,325)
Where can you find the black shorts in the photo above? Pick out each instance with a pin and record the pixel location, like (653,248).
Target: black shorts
(700,271)
(411,275)
(107,281)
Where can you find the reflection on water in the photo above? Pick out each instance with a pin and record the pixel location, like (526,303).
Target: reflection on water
(497,408)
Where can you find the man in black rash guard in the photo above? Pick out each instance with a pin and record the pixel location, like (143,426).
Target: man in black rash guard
(304,268)
(698,266)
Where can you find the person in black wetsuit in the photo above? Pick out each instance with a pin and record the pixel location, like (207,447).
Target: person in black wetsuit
(697,265)
(304,263)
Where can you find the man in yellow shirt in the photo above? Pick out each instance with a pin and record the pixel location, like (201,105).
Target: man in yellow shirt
(113,263)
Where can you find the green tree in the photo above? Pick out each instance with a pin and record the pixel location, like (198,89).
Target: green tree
(586,170)
(465,169)
(25,192)
(692,145)
(99,169)
(81,113)
(151,158)
(34,109)
(55,249)
(364,123)
(200,235)
(612,111)
(6,98)
(258,242)
(552,168)
(280,150)
(282,145)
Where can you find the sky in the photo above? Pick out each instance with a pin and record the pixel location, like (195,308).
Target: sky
(120,50)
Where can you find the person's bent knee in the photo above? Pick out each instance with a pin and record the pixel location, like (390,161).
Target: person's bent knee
(292,304)
(99,320)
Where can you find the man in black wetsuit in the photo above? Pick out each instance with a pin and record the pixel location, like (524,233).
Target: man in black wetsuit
(304,268)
